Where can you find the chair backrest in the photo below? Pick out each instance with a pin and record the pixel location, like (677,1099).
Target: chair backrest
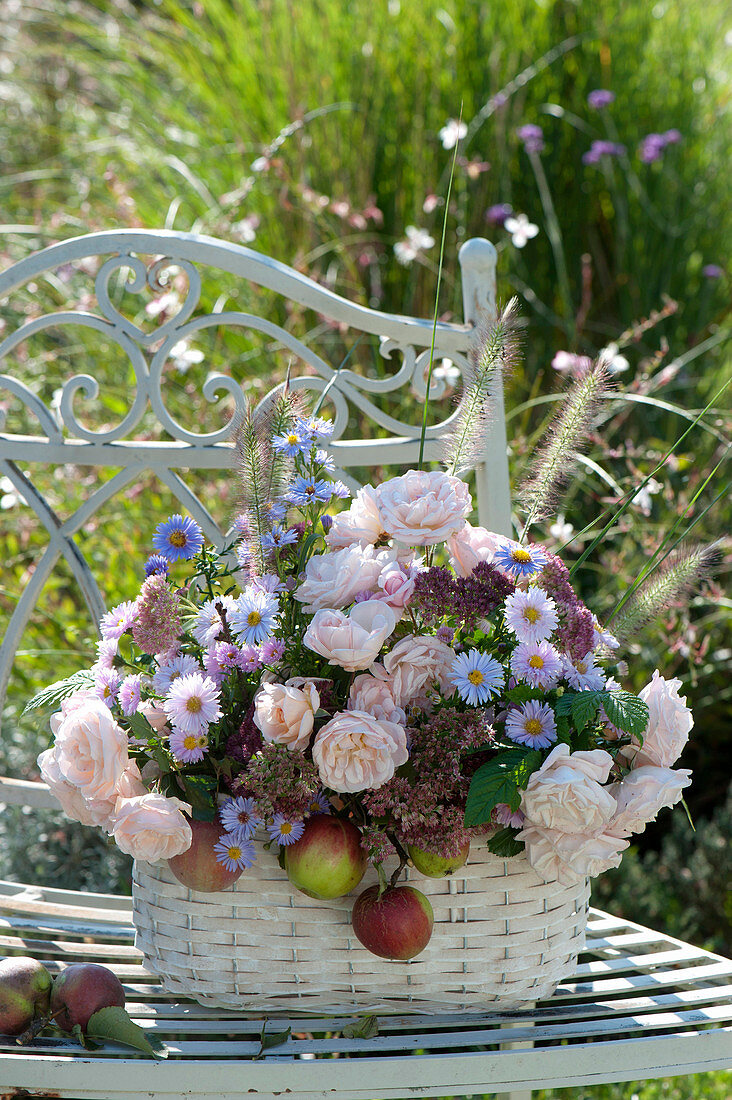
(140,430)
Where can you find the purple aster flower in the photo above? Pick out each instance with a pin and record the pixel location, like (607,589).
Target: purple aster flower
(532,137)
(106,685)
(239,816)
(269,582)
(532,615)
(497,214)
(340,490)
(221,660)
(277,537)
(306,490)
(600,98)
(129,694)
(519,561)
(319,804)
(325,460)
(242,524)
(234,852)
(250,659)
(538,664)
(272,651)
(188,748)
(317,427)
(192,703)
(712,271)
(156,563)
(106,653)
(651,148)
(178,539)
(327,523)
(533,724)
(284,830)
(504,815)
(118,620)
(584,675)
(170,669)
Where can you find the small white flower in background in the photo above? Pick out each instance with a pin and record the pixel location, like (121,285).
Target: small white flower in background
(417,240)
(642,498)
(446,372)
(164,304)
(182,357)
(246,229)
(566,362)
(10,495)
(521,230)
(560,529)
(452,132)
(615,362)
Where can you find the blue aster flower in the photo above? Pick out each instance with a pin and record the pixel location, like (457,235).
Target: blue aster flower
(519,561)
(278,537)
(306,490)
(291,443)
(156,563)
(178,539)
(477,676)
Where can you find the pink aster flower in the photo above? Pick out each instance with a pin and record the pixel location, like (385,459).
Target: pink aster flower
(251,658)
(537,663)
(106,653)
(531,615)
(504,815)
(129,694)
(118,620)
(106,685)
(271,651)
(192,703)
(207,625)
(188,748)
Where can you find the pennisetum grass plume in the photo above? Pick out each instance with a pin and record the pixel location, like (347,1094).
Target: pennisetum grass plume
(564,437)
(681,571)
(494,356)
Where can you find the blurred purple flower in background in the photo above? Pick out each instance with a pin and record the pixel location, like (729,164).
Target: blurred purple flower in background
(601,97)
(600,149)
(652,146)
(712,271)
(497,214)
(532,136)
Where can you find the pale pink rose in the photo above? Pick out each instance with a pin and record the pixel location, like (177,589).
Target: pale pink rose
(91,750)
(372,693)
(285,714)
(570,857)
(359,523)
(352,641)
(417,661)
(156,716)
(151,827)
(357,752)
(669,724)
(72,802)
(469,546)
(334,579)
(395,585)
(78,699)
(130,782)
(565,794)
(642,793)
(423,508)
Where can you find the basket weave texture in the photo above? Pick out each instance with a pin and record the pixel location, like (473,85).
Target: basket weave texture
(502,937)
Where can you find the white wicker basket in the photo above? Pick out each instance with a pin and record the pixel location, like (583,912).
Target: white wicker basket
(501,935)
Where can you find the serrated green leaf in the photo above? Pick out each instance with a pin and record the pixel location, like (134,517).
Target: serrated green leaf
(52,695)
(140,726)
(499,781)
(365,1028)
(564,734)
(563,704)
(115,1024)
(521,694)
(504,843)
(585,705)
(626,711)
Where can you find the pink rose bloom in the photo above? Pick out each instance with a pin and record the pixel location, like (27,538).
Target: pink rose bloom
(357,752)
(352,641)
(334,579)
(669,723)
(73,702)
(130,782)
(151,827)
(285,714)
(156,716)
(395,585)
(565,795)
(360,523)
(469,546)
(373,694)
(642,793)
(417,661)
(91,750)
(570,857)
(423,508)
(72,802)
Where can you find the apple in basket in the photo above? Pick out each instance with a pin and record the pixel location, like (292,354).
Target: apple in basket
(328,860)
(397,925)
(434,866)
(198,868)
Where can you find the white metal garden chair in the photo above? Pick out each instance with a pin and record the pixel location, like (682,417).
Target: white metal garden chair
(640,1005)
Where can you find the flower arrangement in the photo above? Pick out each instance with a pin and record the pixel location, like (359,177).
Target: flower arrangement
(389,684)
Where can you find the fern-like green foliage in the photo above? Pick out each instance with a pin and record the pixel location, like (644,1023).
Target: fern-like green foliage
(50,697)
(494,356)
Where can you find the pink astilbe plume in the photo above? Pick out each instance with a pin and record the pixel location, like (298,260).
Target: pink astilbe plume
(157,625)
(678,575)
(566,435)
(493,358)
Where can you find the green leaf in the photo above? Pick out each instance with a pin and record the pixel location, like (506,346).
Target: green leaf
(504,843)
(140,726)
(52,695)
(199,792)
(564,734)
(625,710)
(585,705)
(271,1039)
(365,1028)
(114,1023)
(521,694)
(500,780)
